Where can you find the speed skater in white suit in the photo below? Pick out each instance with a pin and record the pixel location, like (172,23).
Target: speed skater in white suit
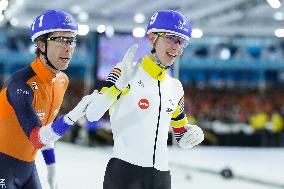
(144,102)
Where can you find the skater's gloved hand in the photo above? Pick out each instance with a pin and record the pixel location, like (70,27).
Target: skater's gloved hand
(128,69)
(80,110)
(192,137)
(51,176)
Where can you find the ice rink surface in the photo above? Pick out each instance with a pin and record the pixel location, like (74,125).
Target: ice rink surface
(80,167)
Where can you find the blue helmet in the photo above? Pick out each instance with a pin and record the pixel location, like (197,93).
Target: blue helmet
(51,21)
(170,21)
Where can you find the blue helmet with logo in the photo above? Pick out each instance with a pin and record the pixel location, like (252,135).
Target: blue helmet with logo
(170,21)
(51,21)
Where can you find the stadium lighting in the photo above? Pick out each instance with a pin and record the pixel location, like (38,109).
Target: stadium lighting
(14,21)
(279,32)
(139,18)
(3,4)
(138,32)
(83,29)
(109,31)
(225,54)
(76,9)
(1,17)
(197,33)
(19,2)
(83,16)
(274,3)
(101,28)
(279,16)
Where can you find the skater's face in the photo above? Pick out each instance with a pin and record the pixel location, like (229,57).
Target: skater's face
(60,48)
(168,47)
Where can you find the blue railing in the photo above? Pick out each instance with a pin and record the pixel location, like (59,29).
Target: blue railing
(233,64)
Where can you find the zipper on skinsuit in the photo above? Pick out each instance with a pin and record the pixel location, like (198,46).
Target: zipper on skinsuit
(158,124)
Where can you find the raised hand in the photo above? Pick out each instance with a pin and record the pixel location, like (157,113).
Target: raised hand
(128,68)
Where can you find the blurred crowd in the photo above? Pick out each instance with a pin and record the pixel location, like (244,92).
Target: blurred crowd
(261,111)
(233,105)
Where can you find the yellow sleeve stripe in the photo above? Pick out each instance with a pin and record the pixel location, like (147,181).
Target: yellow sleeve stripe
(125,91)
(176,112)
(114,92)
(104,89)
(111,93)
(179,123)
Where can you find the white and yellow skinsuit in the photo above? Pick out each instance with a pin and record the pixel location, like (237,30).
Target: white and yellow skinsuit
(142,114)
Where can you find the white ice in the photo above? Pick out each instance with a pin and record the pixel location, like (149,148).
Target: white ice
(83,167)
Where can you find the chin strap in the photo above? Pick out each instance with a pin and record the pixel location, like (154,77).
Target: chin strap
(45,56)
(157,60)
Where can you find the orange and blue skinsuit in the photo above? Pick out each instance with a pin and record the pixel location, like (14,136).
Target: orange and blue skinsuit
(29,100)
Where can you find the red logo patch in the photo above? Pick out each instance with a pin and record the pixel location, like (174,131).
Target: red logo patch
(143,103)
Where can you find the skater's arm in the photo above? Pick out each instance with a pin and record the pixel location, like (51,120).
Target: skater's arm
(21,96)
(185,134)
(116,83)
(102,102)
(179,120)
